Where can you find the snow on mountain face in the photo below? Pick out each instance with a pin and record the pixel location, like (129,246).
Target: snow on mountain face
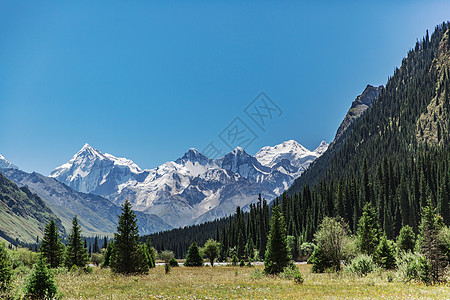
(296,154)
(90,170)
(192,188)
(5,164)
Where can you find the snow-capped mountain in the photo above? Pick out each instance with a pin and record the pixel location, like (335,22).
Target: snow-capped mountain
(193,188)
(5,164)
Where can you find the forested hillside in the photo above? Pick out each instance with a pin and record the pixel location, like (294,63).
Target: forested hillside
(396,156)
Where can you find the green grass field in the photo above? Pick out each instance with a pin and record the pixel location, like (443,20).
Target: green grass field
(225,282)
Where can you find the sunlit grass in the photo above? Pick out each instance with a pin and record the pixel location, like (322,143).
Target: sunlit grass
(237,283)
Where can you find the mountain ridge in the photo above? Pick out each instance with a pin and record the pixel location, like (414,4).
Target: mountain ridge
(181,190)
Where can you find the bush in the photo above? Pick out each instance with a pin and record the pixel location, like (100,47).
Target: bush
(362,265)
(406,239)
(306,250)
(41,284)
(23,256)
(319,261)
(410,266)
(173,262)
(242,263)
(5,268)
(292,272)
(235,260)
(97,259)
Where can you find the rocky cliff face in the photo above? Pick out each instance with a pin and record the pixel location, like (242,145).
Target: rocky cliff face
(359,106)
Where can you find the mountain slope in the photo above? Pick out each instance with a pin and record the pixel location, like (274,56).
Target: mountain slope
(96,215)
(5,164)
(359,106)
(192,188)
(23,215)
(396,124)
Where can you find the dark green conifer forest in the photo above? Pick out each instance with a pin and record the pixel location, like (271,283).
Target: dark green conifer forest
(395,157)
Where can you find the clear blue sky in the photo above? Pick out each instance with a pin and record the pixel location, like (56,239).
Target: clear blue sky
(150,79)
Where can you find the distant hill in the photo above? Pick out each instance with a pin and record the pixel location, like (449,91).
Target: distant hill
(97,215)
(23,215)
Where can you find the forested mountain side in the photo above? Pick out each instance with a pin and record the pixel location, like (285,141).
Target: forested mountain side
(411,111)
(396,156)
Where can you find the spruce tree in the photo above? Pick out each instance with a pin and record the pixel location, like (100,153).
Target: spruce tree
(95,248)
(368,231)
(385,254)
(193,258)
(430,245)
(406,239)
(128,256)
(277,254)
(76,253)
(52,248)
(41,283)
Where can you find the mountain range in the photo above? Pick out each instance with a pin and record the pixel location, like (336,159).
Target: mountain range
(194,188)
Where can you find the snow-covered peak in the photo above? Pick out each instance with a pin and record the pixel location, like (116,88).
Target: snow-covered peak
(193,155)
(290,150)
(5,164)
(89,168)
(322,148)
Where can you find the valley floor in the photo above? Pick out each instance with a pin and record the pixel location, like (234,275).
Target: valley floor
(224,282)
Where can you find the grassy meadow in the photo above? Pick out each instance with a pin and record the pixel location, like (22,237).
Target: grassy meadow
(226,282)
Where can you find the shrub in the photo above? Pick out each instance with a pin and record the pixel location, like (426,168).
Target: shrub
(23,256)
(97,259)
(235,260)
(167,268)
(41,284)
(242,263)
(331,239)
(5,268)
(406,239)
(362,265)
(319,261)
(292,272)
(306,250)
(173,262)
(410,266)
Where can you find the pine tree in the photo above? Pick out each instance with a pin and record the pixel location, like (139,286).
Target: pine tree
(105,242)
(430,244)
(385,254)
(128,256)
(368,231)
(95,248)
(277,254)
(76,253)
(41,283)
(406,239)
(52,248)
(193,258)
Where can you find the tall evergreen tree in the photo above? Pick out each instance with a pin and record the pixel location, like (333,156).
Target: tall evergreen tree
(76,253)
(368,230)
(128,256)
(193,258)
(277,254)
(95,248)
(52,248)
(430,244)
